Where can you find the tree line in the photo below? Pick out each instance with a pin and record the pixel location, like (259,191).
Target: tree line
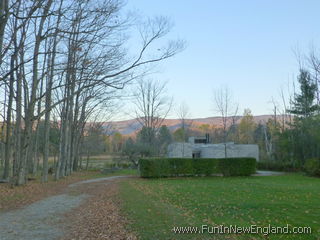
(289,140)
(62,63)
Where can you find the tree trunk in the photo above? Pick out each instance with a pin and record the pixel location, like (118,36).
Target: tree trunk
(8,123)
(4,15)
(88,158)
(51,63)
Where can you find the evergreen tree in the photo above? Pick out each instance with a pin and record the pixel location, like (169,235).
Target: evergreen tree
(164,135)
(300,141)
(146,142)
(131,150)
(164,138)
(303,104)
(146,135)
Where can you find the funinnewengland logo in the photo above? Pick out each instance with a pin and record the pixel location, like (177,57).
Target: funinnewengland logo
(235,229)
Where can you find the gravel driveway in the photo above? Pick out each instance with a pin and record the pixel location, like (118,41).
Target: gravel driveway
(43,220)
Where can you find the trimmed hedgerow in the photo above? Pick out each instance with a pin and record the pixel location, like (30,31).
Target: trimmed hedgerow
(154,168)
(237,166)
(168,167)
(183,166)
(205,166)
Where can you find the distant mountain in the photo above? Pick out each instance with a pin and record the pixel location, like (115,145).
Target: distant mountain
(132,126)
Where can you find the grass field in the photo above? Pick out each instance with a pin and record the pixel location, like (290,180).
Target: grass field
(155,206)
(103,161)
(95,162)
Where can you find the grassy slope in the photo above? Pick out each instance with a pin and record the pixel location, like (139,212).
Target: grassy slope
(155,206)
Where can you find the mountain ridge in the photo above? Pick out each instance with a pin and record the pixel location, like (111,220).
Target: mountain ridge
(132,126)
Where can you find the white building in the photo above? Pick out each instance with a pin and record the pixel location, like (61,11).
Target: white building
(200,148)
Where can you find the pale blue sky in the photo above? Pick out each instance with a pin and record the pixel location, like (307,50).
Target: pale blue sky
(244,44)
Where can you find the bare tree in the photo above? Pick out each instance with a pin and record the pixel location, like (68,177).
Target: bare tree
(4,16)
(152,104)
(183,114)
(64,60)
(227,108)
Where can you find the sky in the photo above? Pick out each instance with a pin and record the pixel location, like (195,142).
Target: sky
(246,45)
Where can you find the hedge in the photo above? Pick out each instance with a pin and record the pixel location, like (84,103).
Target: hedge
(312,167)
(278,166)
(237,166)
(169,167)
(205,166)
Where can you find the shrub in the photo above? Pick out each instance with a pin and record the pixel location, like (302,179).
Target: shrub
(237,166)
(167,167)
(109,165)
(122,165)
(312,167)
(277,166)
(125,165)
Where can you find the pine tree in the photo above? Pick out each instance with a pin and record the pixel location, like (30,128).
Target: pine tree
(164,139)
(303,104)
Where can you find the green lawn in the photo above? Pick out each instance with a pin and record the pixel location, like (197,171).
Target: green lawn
(155,206)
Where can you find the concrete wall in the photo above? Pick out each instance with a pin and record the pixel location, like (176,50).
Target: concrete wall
(179,150)
(213,150)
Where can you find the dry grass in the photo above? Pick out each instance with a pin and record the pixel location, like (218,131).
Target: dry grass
(99,217)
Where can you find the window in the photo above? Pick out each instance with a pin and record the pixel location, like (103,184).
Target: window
(196,154)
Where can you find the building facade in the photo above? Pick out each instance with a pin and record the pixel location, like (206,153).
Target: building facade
(200,148)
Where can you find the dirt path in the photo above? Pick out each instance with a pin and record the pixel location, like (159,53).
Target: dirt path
(268,173)
(86,210)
